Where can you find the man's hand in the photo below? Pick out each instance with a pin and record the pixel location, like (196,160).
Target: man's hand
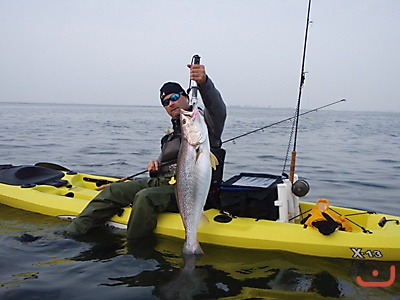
(153,166)
(198,73)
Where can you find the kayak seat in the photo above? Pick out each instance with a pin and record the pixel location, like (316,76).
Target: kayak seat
(29,176)
(213,198)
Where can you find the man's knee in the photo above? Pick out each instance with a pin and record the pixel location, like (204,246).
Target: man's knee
(142,199)
(152,198)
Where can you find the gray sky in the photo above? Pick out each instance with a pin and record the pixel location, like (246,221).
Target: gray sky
(122,51)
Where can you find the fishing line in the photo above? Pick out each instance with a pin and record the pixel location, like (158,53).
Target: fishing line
(250,132)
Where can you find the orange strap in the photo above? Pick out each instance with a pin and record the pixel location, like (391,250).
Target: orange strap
(322,206)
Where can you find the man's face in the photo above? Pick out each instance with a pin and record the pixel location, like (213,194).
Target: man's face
(173,107)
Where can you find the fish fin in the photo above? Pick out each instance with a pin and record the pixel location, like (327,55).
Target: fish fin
(214,161)
(198,152)
(203,219)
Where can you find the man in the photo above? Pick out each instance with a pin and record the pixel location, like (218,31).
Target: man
(150,196)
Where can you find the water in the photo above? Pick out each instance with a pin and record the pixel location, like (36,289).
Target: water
(351,158)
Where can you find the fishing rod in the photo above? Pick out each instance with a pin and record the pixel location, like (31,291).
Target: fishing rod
(281,121)
(144,171)
(248,133)
(100,183)
(297,115)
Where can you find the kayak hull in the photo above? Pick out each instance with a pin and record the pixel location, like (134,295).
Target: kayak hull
(367,241)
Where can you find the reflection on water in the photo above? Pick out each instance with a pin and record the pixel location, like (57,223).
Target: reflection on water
(105,264)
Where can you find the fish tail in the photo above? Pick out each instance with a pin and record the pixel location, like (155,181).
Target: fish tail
(192,248)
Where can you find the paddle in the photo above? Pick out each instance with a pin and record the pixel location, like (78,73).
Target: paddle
(52,166)
(99,182)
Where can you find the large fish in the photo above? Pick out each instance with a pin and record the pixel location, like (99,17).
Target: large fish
(193,175)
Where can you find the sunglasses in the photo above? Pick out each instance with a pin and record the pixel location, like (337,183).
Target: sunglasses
(174,97)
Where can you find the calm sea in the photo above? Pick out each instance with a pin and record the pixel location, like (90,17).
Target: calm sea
(350,158)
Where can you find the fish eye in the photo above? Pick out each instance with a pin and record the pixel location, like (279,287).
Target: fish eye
(184,121)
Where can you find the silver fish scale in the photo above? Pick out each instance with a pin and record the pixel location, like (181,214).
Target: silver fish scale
(193,181)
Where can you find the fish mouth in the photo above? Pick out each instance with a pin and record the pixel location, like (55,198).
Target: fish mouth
(186,112)
(191,114)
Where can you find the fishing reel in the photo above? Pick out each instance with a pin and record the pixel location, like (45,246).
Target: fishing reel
(300,188)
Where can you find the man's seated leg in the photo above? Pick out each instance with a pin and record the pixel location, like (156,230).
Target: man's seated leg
(106,204)
(146,206)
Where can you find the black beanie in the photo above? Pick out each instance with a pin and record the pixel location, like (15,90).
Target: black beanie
(169,88)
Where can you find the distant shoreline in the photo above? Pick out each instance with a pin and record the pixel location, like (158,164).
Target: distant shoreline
(234,106)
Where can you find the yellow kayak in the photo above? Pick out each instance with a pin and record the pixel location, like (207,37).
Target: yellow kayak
(64,194)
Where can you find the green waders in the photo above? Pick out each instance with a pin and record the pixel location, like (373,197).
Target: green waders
(148,196)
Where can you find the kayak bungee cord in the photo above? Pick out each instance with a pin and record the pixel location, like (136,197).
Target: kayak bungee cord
(347,217)
(361,227)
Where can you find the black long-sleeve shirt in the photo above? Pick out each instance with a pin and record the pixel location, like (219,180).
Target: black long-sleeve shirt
(214,116)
